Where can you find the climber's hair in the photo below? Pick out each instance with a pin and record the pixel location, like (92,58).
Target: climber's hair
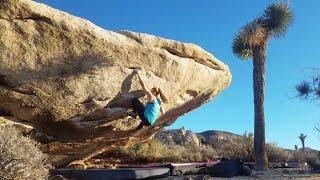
(160,92)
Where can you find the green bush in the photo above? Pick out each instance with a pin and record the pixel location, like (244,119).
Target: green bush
(20,157)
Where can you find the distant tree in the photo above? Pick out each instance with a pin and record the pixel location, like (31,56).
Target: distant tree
(302,137)
(296,147)
(251,42)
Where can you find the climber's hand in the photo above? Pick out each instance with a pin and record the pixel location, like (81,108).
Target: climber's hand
(135,71)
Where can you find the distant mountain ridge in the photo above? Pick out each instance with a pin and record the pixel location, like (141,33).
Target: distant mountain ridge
(217,132)
(215,138)
(181,136)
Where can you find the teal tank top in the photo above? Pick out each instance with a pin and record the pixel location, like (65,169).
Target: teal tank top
(152,110)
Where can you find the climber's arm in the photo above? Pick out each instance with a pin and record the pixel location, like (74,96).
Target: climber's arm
(144,86)
(142,83)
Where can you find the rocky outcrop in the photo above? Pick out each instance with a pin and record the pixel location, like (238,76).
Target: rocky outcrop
(72,81)
(217,138)
(214,138)
(178,137)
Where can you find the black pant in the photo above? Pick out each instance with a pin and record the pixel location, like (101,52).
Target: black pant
(138,108)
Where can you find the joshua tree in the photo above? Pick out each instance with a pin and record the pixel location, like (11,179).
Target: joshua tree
(251,42)
(296,147)
(302,137)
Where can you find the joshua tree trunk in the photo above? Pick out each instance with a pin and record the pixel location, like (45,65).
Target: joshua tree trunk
(259,59)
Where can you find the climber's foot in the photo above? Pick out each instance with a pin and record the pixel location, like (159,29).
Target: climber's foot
(138,130)
(132,114)
(167,123)
(141,126)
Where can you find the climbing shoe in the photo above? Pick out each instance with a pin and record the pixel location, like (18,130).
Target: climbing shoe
(132,114)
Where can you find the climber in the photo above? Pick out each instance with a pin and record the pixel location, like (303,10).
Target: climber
(149,113)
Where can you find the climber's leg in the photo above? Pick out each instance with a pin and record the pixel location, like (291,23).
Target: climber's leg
(138,108)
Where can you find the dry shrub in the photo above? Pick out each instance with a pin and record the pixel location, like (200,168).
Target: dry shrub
(305,156)
(276,154)
(148,152)
(20,157)
(191,152)
(243,149)
(154,151)
(208,153)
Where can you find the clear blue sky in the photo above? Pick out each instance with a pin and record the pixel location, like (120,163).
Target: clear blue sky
(212,24)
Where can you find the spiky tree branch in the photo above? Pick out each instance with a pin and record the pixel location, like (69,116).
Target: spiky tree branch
(309,89)
(317,127)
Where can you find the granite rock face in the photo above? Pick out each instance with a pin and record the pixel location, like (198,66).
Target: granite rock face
(178,137)
(72,81)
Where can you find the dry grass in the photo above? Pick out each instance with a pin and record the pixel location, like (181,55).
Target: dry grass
(243,149)
(154,151)
(20,157)
(276,154)
(305,156)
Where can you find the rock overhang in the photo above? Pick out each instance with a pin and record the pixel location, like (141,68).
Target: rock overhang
(73,80)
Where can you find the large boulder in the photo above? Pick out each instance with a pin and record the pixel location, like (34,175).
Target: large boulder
(72,81)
